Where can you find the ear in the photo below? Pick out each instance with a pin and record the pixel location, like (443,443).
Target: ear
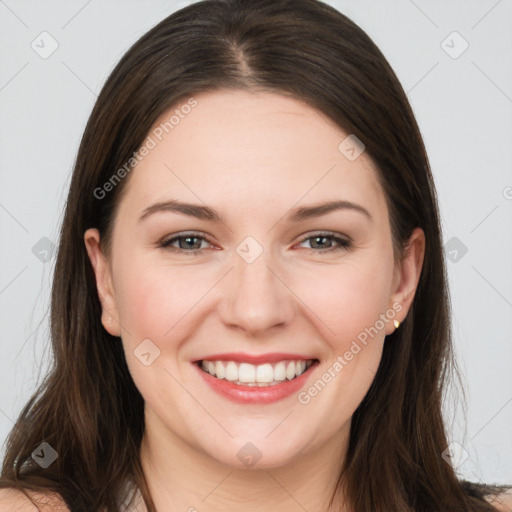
(104,284)
(407,276)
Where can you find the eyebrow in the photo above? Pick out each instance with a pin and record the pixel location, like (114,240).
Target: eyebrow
(210,214)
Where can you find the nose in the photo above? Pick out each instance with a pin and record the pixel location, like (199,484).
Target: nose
(255,297)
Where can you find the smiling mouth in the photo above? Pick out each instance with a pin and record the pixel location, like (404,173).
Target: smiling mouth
(261,375)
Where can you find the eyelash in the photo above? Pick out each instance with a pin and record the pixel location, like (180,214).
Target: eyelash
(343,244)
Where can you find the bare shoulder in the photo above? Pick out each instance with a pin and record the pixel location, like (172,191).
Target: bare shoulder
(12,500)
(502,502)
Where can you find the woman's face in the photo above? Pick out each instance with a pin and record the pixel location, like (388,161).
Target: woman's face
(263,283)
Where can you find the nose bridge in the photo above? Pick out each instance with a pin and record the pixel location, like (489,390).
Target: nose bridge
(257,299)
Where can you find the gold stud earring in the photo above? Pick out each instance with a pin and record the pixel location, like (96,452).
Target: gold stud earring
(396,323)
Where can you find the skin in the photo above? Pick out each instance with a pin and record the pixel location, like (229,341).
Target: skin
(253,157)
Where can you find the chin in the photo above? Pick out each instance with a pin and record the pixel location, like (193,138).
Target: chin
(256,454)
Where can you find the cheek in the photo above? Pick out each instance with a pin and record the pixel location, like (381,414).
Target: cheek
(152,299)
(154,302)
(349,299)
(346,298)
(349,303)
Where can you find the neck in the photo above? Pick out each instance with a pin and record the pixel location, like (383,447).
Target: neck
(182,478)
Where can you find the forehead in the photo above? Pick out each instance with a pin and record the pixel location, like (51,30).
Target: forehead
(247,147)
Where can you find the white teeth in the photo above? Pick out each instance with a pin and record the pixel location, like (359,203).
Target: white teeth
(279,371)
(256,375)
(264,373)
(246,373)
(290,370)
(231,371)
(220,371)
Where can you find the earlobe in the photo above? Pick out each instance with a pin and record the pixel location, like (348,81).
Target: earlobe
(408,276)
(102,272)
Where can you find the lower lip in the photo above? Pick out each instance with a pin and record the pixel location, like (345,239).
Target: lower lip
(255,394)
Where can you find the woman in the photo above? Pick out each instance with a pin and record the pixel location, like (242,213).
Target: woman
(249,305)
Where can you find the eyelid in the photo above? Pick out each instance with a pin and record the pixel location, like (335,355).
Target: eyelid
(333,234)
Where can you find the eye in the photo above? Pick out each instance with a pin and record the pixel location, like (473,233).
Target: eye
(187,242)
(192,243)
(324,241)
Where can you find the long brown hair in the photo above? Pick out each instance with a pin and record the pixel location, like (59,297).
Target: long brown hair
(88,408)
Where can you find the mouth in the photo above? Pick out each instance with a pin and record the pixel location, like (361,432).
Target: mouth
(263,380)
(262,375)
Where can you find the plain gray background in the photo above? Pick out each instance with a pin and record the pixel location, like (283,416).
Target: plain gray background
(462,98)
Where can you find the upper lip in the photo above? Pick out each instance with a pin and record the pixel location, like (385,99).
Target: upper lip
(255,359)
